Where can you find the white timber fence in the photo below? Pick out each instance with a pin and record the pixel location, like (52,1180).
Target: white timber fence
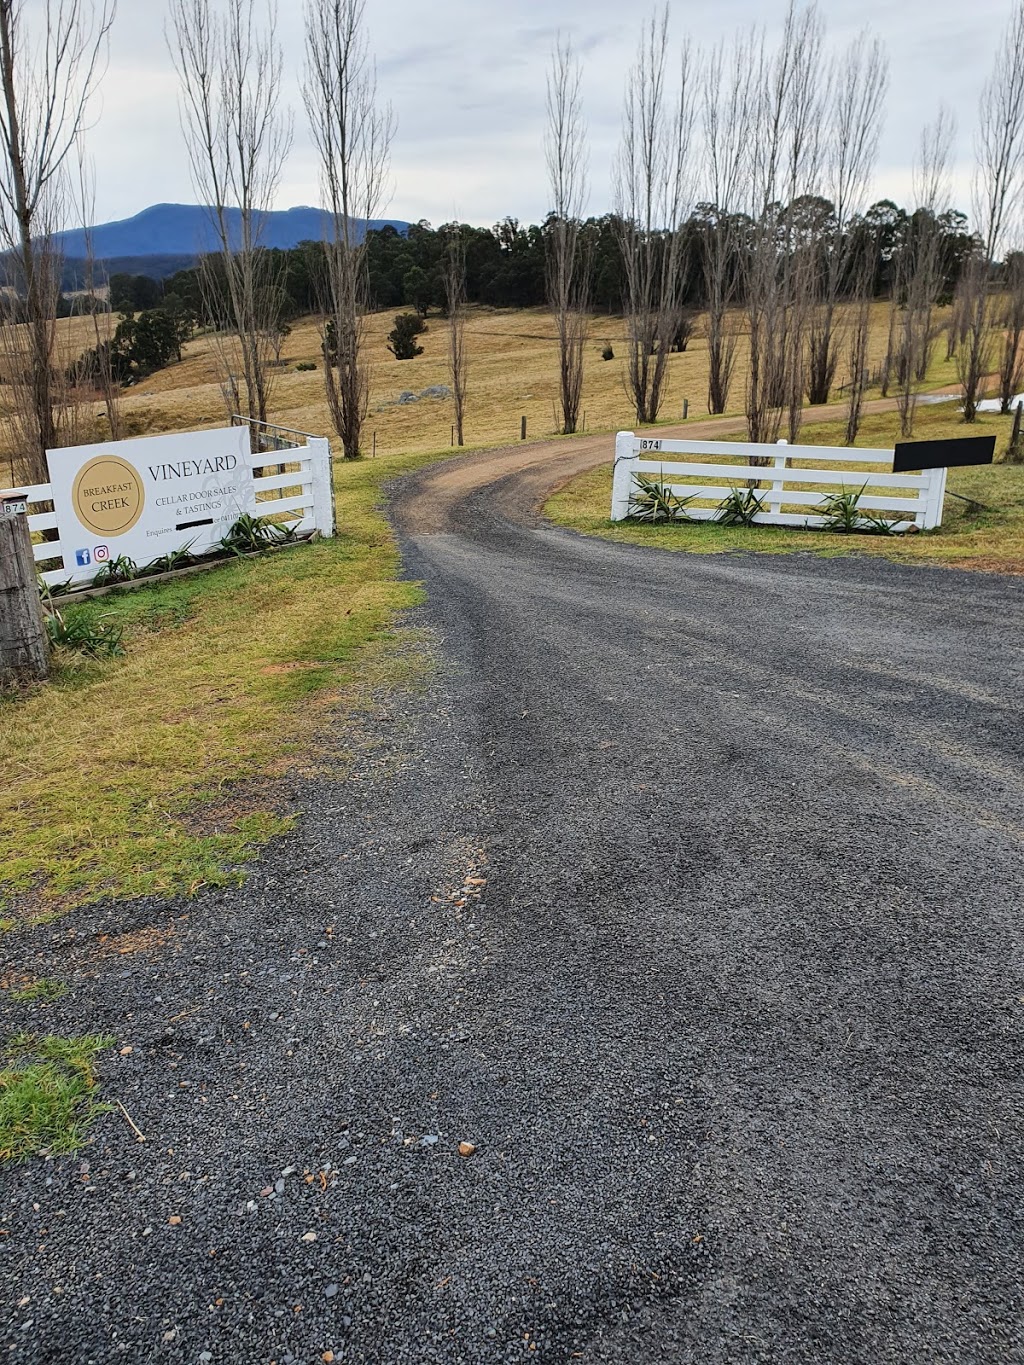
(791,481)
(288,482)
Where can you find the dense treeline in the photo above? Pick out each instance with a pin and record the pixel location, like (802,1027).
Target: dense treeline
(505,265)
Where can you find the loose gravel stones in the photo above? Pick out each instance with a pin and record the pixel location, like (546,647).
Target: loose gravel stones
(683,890)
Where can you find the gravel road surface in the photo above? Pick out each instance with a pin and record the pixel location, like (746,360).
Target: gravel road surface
(687,890)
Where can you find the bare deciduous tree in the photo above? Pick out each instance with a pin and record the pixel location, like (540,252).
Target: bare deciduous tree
(101,361)
(1011,356)
(237,138)
(455,307)
(48,79)
(861,273)
(726,94)
(958,323)
(858,82)
(918,266)
(567,258)
(785,149)
(996,194)
(653,189)
(353,137)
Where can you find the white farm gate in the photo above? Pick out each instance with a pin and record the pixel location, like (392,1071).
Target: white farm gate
(288,481)
(791,481)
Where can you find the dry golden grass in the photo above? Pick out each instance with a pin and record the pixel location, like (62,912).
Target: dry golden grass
(513,372)
(74,335)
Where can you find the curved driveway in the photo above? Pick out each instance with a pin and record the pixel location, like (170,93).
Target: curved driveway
(686,891)
(757,835)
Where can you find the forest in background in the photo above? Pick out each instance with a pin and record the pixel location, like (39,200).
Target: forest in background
(505,264)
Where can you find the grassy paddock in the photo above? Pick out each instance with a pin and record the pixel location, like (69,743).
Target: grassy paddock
(512,355)
(156,773)
(990,539)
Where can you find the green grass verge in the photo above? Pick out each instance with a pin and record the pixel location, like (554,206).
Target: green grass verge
(153,774)
(48,1094)
(992,538)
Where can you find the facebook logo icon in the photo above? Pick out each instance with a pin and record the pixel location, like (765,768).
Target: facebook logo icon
(83,558)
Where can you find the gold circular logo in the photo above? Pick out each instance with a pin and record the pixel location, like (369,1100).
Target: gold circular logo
(108,496)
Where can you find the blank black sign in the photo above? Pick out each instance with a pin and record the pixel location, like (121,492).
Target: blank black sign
(911,455)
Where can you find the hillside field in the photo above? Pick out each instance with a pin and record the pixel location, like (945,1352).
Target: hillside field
(513,372)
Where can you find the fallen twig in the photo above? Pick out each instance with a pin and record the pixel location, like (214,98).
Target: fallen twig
(131,1122)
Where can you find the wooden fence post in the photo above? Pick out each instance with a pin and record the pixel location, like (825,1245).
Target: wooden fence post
(24,648)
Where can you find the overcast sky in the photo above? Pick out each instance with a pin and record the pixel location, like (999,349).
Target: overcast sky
(466,80)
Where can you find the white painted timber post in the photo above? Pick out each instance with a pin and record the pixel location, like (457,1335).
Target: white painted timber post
(622,475)
(933,497)
(321,477)
(775,496)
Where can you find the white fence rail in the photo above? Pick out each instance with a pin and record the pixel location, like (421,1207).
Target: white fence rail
(303,496)
(790,478)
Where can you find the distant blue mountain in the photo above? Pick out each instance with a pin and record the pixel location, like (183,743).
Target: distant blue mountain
(183,230)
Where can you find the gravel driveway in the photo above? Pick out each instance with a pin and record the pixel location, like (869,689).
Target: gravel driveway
(687,890)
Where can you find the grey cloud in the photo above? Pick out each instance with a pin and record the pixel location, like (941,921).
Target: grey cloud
(467,83)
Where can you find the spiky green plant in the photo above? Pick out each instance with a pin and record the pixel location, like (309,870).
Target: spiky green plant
(48,590)
(173,559)
(739,507)
(100,639)
(842,513)
(655,501)
(250,534)
(119,570)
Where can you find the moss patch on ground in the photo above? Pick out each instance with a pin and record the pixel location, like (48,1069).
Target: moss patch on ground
(990,537)
(153,774)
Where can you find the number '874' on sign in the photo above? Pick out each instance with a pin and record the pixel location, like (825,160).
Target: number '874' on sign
(650,445)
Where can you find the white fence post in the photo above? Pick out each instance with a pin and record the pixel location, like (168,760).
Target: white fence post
(775,498)
(933,499)
(323,484)
(622,475)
